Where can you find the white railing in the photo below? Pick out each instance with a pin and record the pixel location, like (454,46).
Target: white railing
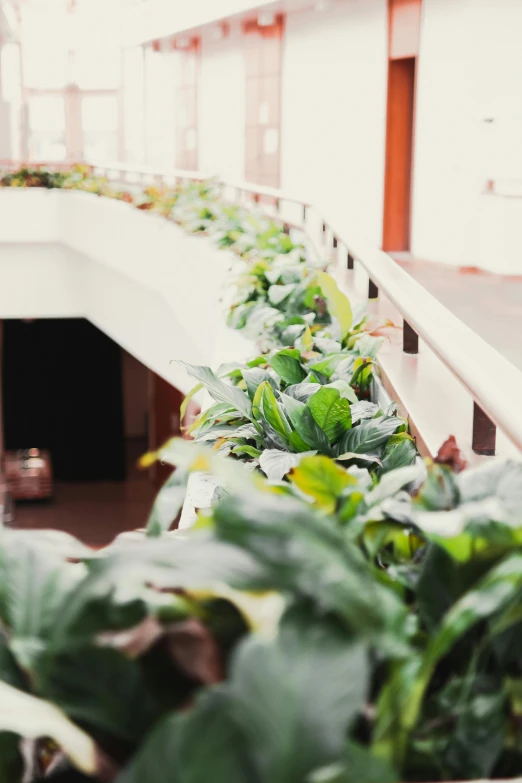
(492,382)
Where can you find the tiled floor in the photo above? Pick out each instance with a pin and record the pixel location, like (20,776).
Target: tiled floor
(489,304)
(94,512)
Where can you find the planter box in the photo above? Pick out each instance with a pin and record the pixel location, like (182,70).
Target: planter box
(137,276)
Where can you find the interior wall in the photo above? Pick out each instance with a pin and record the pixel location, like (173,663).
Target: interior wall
(221,108)
(334,111)
(135,378)
(468,130)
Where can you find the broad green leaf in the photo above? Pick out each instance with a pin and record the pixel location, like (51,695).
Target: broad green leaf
(254,378)
(174,749)
(278,293)
(329,364)
(249,451)
(320,478)
(369,435)
(302,391)
(218,389)
(440,584)
(499,588)
(185,403)
(338,303)
(503,480)
(219,411)
(168,504)
(357,764)
(273,413)
(348,456)
(292,333)
(34,588)
(218,431)
(276,464)
(390,483)
(478,738)
(363,410)
(287,365)
(399,453)
(307,556)
(33,718)
(305,424)
(440,490)
(11,760)
(331,412)
(307,339)
(257,411)
(483,481)
(303,690)
(344,389)
(362,374)
(101,689)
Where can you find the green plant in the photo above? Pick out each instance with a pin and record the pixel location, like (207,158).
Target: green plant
(33,178)
(278,407)
(271,643)
(358,616)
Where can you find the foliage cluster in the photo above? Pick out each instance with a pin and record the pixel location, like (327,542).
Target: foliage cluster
(354,614)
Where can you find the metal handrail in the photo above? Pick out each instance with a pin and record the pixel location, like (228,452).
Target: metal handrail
(494,384)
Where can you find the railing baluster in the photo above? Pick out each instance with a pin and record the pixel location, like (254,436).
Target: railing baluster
(349,261)
(373,291)
(304,213)
(484,433)
(334,242)
(410,339)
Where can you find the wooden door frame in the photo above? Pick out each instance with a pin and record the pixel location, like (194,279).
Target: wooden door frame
(394,65)
(404,31)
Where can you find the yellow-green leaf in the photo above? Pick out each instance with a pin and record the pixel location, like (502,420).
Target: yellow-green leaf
(322,479)
(338,303)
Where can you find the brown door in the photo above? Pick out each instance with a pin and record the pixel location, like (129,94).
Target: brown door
(165,401)
(399,154)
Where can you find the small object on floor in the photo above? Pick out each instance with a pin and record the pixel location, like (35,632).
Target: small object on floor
(6,504)
(29,474)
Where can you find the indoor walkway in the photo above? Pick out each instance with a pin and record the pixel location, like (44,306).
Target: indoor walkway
(94,512)
(489,304)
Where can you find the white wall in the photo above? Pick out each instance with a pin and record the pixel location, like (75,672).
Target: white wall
(334,111)
(159,18)
(470,70)
(221,105)
(140,279)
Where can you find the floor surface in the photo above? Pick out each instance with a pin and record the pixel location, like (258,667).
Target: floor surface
(94,512)
(489,304)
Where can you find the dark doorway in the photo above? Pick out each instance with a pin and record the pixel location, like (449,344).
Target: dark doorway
(62,391)
(399,154)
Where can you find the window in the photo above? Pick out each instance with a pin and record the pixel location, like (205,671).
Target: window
(97,68)
(134,104)
(159,108)
(47,127)
(100,127)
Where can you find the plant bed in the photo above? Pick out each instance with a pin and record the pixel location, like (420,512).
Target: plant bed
(340,610)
